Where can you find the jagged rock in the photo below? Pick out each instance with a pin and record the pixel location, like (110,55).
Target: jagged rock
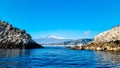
(108,40)
(12,37)
(109,35)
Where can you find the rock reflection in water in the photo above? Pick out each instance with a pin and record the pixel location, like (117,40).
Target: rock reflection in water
(13,58)
(108,58)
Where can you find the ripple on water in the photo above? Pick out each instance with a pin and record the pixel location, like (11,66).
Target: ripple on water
(58,57)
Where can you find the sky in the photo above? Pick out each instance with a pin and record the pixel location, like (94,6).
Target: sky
(71,19)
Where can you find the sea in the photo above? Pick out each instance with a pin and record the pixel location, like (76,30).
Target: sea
(58,57)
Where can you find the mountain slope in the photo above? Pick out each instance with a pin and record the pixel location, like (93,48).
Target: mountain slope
(77,42)
(51,40)
(55,37)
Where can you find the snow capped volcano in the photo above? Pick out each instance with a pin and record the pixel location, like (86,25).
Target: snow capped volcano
(55,37)
(51,39)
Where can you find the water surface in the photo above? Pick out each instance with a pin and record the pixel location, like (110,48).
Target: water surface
(58,57)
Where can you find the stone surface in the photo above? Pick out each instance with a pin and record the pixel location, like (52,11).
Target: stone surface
(108,40)
(109,35)
(12,37)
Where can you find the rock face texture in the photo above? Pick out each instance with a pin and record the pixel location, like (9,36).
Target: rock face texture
(110,35)
(12,37)
(108,40)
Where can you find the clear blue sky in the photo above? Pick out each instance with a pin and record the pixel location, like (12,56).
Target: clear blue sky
(65,18)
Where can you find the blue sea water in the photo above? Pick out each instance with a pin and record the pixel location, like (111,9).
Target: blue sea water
(58,57)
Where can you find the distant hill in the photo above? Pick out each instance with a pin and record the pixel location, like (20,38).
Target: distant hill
(77,42)
(51,40)
(54,40)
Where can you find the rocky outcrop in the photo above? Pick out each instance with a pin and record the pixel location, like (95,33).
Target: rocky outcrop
(108,40)
(112,46)
(109,35)
(12,37)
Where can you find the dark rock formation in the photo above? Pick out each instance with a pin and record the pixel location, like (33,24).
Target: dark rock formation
(112,46)
(12,37)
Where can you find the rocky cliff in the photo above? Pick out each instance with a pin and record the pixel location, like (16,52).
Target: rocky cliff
(108,40)
(109,35)
(12,37)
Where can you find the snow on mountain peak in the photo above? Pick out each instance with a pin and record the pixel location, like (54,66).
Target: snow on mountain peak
(52,36)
